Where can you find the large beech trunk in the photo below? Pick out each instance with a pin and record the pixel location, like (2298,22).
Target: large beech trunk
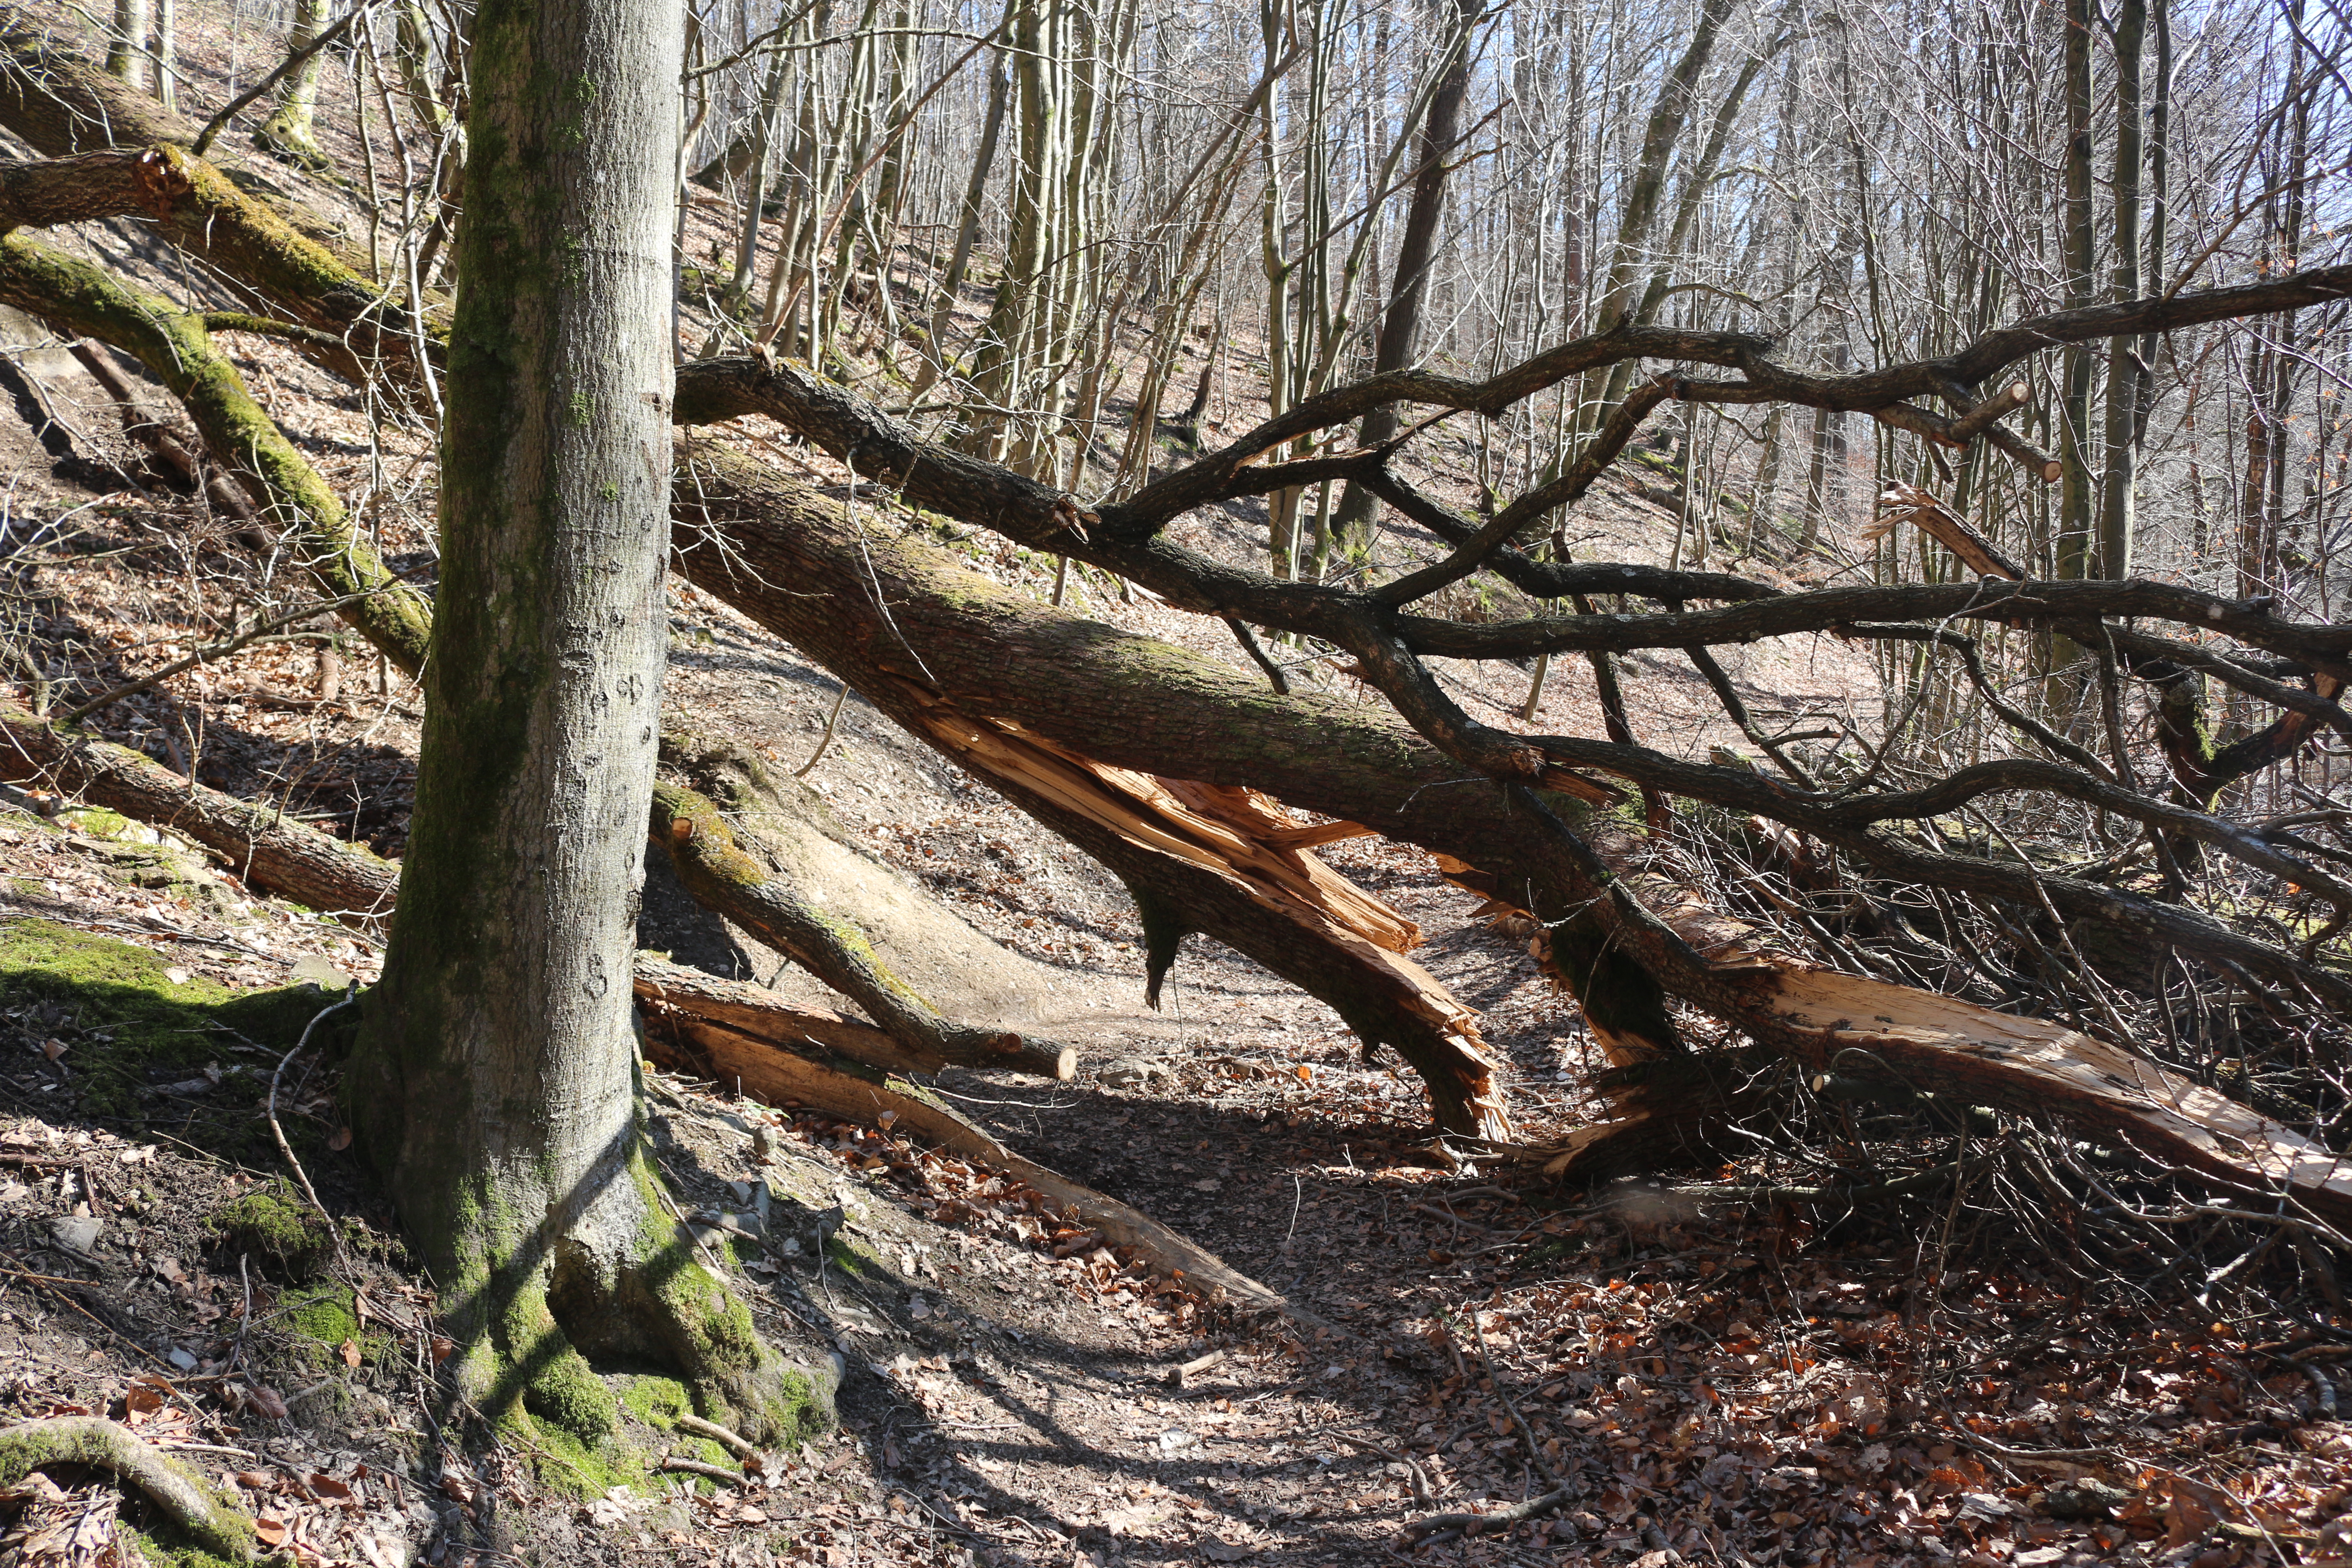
(494,1084)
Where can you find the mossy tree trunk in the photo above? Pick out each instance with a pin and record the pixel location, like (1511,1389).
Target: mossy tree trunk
(291,127)
(494,1085)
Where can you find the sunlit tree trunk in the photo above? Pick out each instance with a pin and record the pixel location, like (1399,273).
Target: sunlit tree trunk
(495,1083)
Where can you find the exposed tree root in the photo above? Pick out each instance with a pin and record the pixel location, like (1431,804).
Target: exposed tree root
(858,1093)
(206,1515)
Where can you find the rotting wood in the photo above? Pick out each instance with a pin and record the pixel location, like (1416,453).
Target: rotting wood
(1926,1041)
(702,1008)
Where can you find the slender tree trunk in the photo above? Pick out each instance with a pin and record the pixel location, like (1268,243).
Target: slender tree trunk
(167,52)
(1409,285)
(494,1086)
(126,52)
(289,129)
(966,231)
(2077,241)
(2124,371)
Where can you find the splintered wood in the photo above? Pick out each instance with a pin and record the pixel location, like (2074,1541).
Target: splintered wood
(1253,842)
(1908,503)
(1930,1041)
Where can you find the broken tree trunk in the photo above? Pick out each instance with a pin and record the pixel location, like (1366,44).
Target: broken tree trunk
(296,862)
(1147,705)
(62,102)
(856,1092)
(728,882)
(1189,869)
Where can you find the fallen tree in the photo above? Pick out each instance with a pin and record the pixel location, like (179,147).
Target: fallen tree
(994,651)
(1622,932)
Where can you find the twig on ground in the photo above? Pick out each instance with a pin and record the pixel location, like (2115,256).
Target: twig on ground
(721,1435)
(334,1231)
(1535,1461)
(1473,1523)
(1412,1467)
(696,1467)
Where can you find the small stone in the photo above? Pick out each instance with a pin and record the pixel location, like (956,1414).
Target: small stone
(77,1234)
(317,969)
(917,1308)
(1130,1072)
(182,1359)
(739,1191)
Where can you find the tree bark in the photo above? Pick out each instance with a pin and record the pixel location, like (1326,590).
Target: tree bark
(1409,285)
(744,532)
(126,52)
(289,129)
(494,1085)
(830,946)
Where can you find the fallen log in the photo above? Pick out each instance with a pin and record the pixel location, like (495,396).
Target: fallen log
(1195,859)
(706,1011)
(62,102)
(838,1087)
(261,845)
(728,882)
(1051,676)
(296,862)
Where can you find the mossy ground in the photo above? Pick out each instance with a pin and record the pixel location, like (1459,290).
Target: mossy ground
(131,1029)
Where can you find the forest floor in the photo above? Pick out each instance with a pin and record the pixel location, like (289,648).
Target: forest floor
(1743,1381)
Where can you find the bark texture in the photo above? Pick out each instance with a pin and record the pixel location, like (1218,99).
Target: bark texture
(495,1082)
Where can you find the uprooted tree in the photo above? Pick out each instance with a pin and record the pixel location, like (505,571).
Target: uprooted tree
(1853,909)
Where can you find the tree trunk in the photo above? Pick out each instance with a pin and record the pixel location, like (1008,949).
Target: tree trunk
(126,52)
(494,1085)
(2117,510)
(1409,285)
(289,131)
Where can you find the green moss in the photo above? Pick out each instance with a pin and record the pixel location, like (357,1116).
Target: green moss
(327,1316)
(129,1027)
(97,822)
(657,1401)
(166,1547)
(278,1228)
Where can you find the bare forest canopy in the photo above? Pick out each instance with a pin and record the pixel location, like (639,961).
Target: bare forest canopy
(1999,345)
